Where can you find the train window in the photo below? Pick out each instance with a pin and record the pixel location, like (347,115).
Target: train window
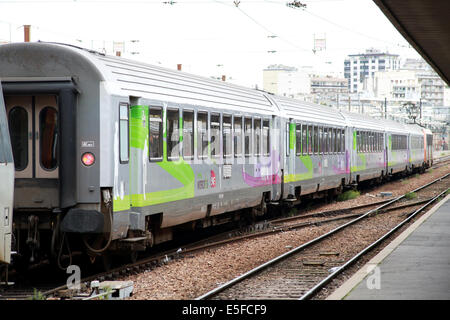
(310,139)
(333,140)
(215,135)
(343,140)
(18,131)
(48,131)
(123,133)
(336,141)
(188,134)
(358,141)
(257,136)
(330,140)
(266,138)
(248,136)
(298,139)
(380,142)
(202,135)
(155,122)
(365,141)
(288,139)
(227,151)
(173,134)
(324,145)
(316,139)
(377,142)
(370,138)
(237,136)
(304,139)
(321,140)
(374,142)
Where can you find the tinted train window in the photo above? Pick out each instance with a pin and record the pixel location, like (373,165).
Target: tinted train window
(325,140)
(322,139)
(18,131)
(48,131)
(202,135)
(227,151)
(173,135)
(298,139)
(288,139)
(358,141)
(188,134)
(257,137)
(237,136)
(335,142)
(215,135)
(316,139)
(343,140)
(123,132)
(310,140)
(330,140)
(338,140)
(364,141)
(248,136)
(372,142)
(266,137)
(304,139)
(155,122)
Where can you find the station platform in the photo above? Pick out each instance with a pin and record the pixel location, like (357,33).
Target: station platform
(415,266)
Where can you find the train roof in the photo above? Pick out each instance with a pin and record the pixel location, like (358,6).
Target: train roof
(129,78)
(362,121)
(309,112)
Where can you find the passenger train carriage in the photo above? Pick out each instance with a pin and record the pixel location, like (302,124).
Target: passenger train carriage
(117,154)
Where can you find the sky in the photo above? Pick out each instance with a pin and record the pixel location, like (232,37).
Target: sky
(211,38)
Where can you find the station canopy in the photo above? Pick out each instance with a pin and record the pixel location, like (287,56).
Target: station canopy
(425,24)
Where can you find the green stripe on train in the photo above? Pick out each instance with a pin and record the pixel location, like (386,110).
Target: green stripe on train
(178,169)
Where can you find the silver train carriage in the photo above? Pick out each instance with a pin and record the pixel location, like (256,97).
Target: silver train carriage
(121,152)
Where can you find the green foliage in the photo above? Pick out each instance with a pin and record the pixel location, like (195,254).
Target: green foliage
(410,195)
(292,212)
(348,195)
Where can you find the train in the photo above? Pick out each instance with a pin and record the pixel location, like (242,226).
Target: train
(113,156)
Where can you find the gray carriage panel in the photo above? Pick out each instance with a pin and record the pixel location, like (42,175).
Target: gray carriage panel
(42,60)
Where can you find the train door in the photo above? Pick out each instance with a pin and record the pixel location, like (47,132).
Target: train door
(6,186)
(33,126)
(276,142)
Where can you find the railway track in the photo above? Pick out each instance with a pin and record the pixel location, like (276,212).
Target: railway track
(303,271)
(261,229)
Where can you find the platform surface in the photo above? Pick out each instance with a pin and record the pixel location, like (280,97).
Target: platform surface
(416,265)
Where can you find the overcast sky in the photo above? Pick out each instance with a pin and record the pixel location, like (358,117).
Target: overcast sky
(212,37)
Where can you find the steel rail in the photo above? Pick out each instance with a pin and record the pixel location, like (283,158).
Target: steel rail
(325,281)
(307,244)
